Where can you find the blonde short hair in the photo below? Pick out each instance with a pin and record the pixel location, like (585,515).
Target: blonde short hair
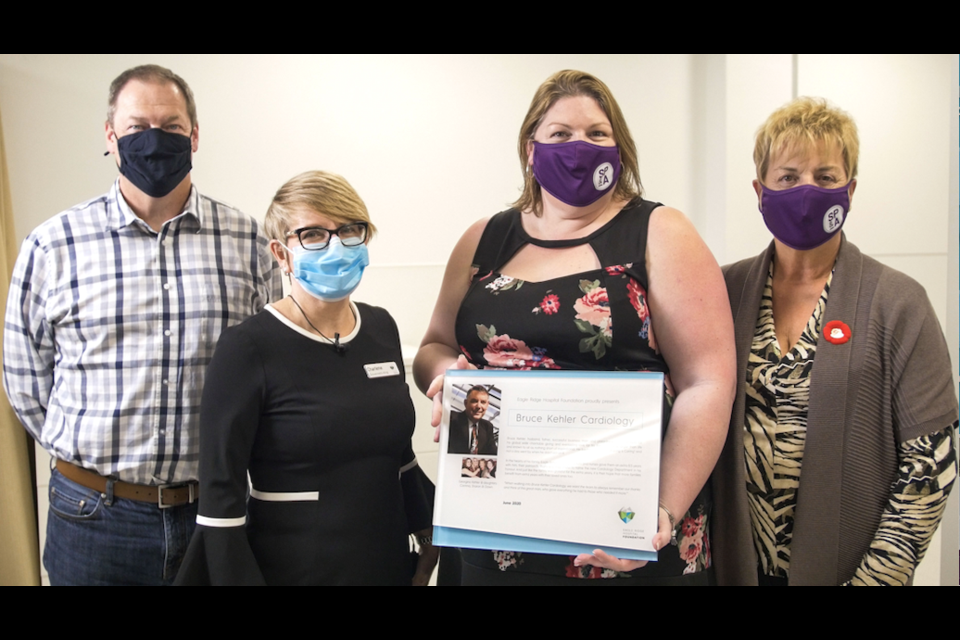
(326,193)
(805,122)
(565,84)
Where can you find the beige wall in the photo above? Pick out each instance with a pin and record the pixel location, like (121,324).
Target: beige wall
(430,144)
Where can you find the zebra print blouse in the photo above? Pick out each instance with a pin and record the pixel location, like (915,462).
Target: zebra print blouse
(778,395)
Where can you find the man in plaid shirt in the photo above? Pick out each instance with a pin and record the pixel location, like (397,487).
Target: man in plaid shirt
(115,308)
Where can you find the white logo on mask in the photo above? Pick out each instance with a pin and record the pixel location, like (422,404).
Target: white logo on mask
(602,176)
(833,218)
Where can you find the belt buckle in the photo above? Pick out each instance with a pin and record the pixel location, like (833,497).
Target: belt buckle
(191,488)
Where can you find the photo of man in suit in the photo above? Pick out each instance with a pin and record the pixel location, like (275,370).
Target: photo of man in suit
(469,432)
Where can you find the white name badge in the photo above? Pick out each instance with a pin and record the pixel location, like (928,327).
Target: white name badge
(381,369)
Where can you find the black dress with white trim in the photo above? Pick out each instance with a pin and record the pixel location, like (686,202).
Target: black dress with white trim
(325,438)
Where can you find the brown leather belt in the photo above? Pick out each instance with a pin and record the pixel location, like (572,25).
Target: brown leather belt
(162,496)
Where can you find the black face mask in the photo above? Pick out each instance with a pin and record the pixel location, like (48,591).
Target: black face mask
(155,161)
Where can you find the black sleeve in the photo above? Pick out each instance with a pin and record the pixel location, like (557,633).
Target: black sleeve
(418,494)
(418,489)
(233,396)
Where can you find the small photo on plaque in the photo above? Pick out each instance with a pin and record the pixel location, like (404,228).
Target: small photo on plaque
(474,425)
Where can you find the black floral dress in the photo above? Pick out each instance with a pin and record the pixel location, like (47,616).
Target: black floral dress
(594,321)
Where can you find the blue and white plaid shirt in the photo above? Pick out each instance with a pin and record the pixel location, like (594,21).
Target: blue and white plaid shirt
(110,327)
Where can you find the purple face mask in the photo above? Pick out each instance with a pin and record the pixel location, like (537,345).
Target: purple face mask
(805,217)
(576,173)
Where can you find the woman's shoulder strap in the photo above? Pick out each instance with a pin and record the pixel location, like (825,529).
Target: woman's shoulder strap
(498,243)
(625,242)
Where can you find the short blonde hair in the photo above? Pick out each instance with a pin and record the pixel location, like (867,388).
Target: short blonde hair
(804,122)
(326,193)
(565,84)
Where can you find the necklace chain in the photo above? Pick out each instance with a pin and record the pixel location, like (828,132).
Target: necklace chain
(336,335)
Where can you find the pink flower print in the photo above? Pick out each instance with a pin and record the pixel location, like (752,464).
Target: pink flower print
(708,560)
(691,546)
(638,298)
(607,330)
(593,318)
(550,304)
(594,307)
(586,571)
(615,270)
(541,361)
(690,526)
(507,559)
(502,283)
(504,351)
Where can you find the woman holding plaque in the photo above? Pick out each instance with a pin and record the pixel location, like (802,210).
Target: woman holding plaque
(584,274)
(840,452)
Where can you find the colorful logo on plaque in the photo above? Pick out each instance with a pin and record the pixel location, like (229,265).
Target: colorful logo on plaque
(626,514)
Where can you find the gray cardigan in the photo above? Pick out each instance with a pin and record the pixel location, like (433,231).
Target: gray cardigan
(891,382)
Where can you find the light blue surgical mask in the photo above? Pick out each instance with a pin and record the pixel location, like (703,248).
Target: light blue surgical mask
(330,274)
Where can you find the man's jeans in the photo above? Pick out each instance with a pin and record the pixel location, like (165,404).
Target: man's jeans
(92,540)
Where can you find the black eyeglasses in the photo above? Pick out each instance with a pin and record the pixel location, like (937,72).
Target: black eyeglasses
(317,238)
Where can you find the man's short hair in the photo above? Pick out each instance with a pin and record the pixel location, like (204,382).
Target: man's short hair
(480,388)
(151,73)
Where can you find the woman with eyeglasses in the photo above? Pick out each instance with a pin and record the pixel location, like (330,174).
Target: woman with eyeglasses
(309,398)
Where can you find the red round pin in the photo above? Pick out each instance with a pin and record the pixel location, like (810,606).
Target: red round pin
(836,332)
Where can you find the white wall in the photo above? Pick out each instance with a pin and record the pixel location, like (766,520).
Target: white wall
(430,143)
